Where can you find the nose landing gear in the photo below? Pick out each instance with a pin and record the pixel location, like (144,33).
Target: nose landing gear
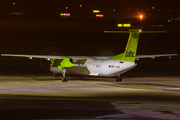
(64,78)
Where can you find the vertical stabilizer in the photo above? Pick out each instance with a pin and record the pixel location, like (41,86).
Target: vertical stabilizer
(131,47)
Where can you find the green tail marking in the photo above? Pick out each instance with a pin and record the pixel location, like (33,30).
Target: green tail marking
(131,47)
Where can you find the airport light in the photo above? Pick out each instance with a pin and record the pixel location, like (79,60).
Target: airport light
(120,25)
(96,11)
(124,25)
(65,14)
(141,17)
(99,15)
(127,25)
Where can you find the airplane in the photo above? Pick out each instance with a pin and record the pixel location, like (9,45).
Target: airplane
(98,65)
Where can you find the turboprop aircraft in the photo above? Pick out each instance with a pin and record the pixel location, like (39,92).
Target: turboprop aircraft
(98,65)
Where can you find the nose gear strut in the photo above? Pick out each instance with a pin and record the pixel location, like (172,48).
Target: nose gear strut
(64,78)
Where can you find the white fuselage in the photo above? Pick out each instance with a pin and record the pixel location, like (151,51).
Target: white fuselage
(98,67)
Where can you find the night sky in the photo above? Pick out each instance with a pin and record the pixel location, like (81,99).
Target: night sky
(36,27)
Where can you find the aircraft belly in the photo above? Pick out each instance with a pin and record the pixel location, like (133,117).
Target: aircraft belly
(55,69)
(78,70)
(72,70)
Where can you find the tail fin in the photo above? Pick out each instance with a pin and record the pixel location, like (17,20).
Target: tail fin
(131,47)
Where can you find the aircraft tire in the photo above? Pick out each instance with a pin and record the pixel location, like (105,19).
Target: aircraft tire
(64,79)
(55,75)
(118,79)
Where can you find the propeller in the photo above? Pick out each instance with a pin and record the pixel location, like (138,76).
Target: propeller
(106,52)
(49,51)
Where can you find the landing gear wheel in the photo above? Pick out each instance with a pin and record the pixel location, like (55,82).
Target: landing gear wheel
(64,79)
(55,75)
(118,78)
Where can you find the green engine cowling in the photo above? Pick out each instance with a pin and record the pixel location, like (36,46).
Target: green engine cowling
(62,63)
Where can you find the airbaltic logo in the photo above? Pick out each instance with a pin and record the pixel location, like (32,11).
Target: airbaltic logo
(130,54)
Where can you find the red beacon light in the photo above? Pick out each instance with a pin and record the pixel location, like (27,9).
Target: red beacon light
(99,15)
(65,14)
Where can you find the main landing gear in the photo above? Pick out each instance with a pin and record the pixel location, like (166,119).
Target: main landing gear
(119,78)
(64,78)
(56,75)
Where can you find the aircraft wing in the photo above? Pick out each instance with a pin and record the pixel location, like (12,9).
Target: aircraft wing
(153,56)
(47,57)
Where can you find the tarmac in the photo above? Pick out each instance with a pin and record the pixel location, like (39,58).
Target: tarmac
(46,97)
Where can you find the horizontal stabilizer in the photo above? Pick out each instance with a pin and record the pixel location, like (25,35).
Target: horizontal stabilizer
(153,56)
(131,30)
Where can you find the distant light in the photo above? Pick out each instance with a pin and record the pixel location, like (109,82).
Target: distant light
(66,8)
(80,5)
(65,14)
(141,17)
(120,25)
(99,15)
(169,57)
(96,11)
(17,13)
(152,7)
(114,10)
(127,25)
(137,12)
(14,3)
(124,25)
